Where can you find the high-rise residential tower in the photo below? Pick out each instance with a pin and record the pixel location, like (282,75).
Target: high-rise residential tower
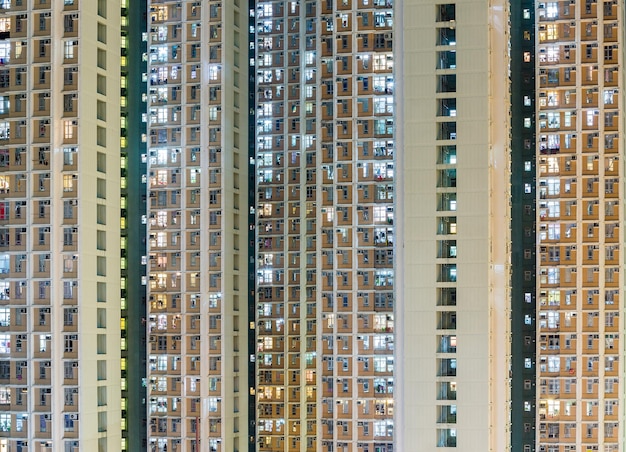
(452,123)
(311,225)
(579,145)
(59,225)
(509,330)
(198,226)
(325,226)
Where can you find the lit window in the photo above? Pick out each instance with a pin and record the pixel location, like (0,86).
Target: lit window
(69,49)
(68,129)
(68,182)
(214,72)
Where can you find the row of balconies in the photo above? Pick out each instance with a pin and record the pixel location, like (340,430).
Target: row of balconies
(20,5)
(40,107)
(167,82)
(368,386)
(378,20)
(18,320)
(567,210)
(364,431)
(567,232)
(333,177)
(564,389)
(169,33)
(366,259)
(171,303)
(16,159)
(367,150)
(565,365)
(161,343)
(585,30)
(373,345)
(558,433)
(18,374)
(552,320)
(16,132)
(564,98)
(173,12)
(16,78)
(343,279)
(378,301)
(592,302)
(329,6)
(557,166)
(171,136)
(193,159)
(173,178)
(14,292)
(561,10)
(567,277)
(558,121)
(374,107)
(588,10)
(19,25)
(567,76)
(567,255)
(592,343)
(343,85)
(164,426)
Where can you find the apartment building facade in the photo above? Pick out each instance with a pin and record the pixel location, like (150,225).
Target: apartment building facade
(327,126)
(197,220)
(325,225)
(579,216)
(454,228)
(324,191)
(59,196)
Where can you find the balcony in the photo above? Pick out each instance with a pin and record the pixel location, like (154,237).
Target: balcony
(446,414)
(447,344)
(447,273)
(446,367)
(446,437)
(446,391)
